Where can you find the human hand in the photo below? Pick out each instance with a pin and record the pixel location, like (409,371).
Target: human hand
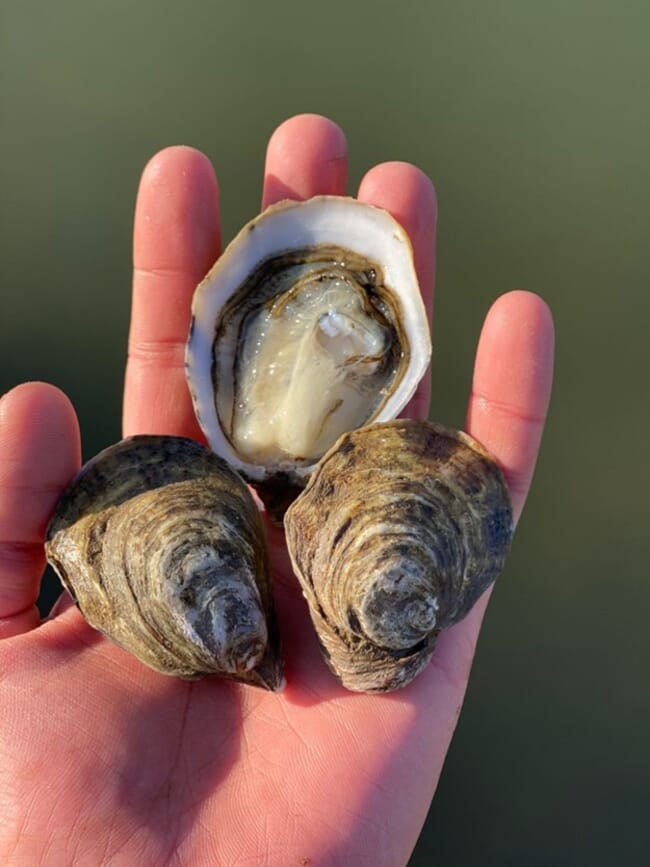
(103,761)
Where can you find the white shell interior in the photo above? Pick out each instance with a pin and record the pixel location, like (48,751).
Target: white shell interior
(323,220)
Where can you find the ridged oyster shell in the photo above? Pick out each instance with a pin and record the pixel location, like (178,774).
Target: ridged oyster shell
(310,324)
(403,525)
(161,545)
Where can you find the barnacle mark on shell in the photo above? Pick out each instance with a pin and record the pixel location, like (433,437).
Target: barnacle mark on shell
(161,545)
(401,528)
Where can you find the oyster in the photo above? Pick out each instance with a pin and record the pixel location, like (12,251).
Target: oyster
(309,325)
(161,545)
(401,528)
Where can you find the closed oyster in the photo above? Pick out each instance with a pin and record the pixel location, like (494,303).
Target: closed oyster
(401,528)
(309,325)
(161,545)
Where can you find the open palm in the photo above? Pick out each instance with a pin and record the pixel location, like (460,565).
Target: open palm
(103,761)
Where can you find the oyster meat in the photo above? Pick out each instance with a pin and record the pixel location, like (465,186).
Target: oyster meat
(161,545)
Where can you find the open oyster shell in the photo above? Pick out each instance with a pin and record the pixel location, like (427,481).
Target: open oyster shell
(161,545)
(309,325)
(401,528)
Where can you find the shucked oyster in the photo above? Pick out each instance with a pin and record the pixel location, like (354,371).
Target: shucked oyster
(309,325)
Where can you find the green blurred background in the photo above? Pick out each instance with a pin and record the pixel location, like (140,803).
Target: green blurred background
(532,119)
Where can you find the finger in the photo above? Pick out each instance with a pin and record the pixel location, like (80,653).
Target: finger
(506,413)
(306,156)
(39,454)
(511,387)
(176,241)
(408,194)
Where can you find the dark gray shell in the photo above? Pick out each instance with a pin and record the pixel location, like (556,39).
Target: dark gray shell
(161,545)
(401,528)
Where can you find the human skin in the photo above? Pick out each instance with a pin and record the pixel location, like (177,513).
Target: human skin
(104,762)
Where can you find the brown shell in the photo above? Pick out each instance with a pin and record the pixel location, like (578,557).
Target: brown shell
(161,545)
(401,528)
